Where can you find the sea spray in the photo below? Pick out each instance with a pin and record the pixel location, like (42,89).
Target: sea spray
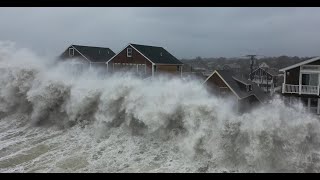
(88,121)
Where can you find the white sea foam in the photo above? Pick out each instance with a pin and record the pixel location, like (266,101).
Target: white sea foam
(54,119)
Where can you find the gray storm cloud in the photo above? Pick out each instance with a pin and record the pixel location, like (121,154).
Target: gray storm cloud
(186,32)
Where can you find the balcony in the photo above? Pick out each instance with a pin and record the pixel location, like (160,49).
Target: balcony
(300,89)
(258,81)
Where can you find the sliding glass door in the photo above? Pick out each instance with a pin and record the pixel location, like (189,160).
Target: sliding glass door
(310,79)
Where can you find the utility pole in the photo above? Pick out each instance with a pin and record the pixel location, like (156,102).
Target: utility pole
(251,65)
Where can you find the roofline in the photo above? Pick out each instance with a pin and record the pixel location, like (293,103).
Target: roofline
(92,46)
(263,70)
(150,59)
(97,62)
(300,63)
(133,48)
(117,54)
(254,70)
(80,53)
(146,45)
(253,95)
(167,64)
(215,71)
(142,54)
(235,78)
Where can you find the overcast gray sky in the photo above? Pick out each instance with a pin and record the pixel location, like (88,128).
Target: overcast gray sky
(185,32)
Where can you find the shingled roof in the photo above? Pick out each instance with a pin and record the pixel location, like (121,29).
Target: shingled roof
(271,71)
(95,54)
(234,81)
(157,55)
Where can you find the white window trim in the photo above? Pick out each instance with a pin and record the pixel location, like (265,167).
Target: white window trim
(71,50)
(309,79)
(129,52)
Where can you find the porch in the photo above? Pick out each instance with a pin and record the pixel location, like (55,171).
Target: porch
(300,89)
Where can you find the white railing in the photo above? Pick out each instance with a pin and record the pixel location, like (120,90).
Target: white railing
(288,88)
(259,81)
(306,89)
(300,89)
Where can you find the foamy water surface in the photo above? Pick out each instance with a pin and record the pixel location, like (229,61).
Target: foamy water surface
(53,119)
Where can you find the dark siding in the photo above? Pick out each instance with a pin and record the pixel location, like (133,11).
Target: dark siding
(292,76)
(168,69)
(136,58)
(214,84)
(315,63)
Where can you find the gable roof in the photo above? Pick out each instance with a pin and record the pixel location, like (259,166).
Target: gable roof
(94,54)
(264,65)
(234,82)
(156,55)
(241,80)
(301,63)
(271,71)
(231,66)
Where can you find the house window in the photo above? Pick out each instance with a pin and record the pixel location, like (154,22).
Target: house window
(178,68)
(249,88)
(310,79)
(155,68)
(71,52)
(129,52)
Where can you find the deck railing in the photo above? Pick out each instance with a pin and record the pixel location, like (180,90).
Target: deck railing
(300,89)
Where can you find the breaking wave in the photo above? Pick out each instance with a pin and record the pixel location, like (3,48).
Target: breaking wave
(57,119)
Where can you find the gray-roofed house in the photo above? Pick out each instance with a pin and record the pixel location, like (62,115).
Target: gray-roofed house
(266,78)
(226,83)
(88,56)
(232,67)
(144,60)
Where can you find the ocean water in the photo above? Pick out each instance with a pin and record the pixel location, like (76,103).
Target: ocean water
(56,119)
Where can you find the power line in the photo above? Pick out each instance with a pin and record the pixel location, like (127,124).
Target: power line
(252,56)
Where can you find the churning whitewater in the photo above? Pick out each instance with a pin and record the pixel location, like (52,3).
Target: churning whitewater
(55,119)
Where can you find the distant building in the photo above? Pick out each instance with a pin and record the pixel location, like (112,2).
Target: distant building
(266,78)
(194,76)
(233,67)
(226,83)
(145,61)
(301,82)
(264,65)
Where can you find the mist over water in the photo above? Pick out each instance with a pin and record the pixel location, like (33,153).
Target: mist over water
(55,119)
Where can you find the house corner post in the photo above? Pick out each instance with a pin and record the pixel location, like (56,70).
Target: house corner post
(152,69)
(318,107)
(299,89)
